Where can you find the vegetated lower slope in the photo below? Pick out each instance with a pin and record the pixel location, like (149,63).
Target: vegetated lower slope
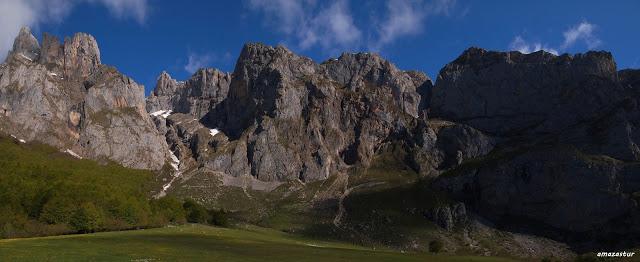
(385,206)
(45,192)
(202,243)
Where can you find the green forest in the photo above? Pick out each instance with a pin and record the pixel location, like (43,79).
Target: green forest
(47,192)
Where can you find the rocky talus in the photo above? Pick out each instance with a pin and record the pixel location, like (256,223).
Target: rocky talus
(60,94)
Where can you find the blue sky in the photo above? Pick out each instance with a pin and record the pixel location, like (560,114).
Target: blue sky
(144,37)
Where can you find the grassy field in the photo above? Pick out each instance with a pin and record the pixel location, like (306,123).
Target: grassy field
(200,243)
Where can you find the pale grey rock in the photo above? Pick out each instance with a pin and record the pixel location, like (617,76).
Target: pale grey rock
(303,120)
(67,99)
(25,46)
(197,96)
(81,56)
(52,53)
(286,117)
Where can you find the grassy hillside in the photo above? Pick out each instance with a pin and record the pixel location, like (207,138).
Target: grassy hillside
(46,192)
(200,243)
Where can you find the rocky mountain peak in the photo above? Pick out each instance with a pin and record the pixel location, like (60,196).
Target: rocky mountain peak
(63,96)
(81,56)
(202,92)
(165,84)
(287,117)
(25,46)
(547,92)
(359,71)
(52,51)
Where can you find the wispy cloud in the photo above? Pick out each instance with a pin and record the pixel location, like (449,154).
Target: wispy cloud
(310,23)
(331,25)
(519,44)
(584,31)
(196,61)
(406,18)
(403,18)
(17,13)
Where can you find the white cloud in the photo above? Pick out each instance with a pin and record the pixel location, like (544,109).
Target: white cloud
(15,14)
(583,31)
(331,25)
(197,61)
(406,17)
(287,15)
(519,44)
(311,24)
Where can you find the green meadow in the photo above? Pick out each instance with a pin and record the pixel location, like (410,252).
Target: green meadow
(194,242)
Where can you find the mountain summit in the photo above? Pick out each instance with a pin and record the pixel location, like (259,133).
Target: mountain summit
(61,94)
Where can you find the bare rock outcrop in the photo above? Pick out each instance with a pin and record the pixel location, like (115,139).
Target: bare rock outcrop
(197,96)
(566,135)
(64,97)
(284,117)
(509,93)
(292,118)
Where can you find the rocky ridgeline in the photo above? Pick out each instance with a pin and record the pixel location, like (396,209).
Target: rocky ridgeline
(567,133)
(61,94)
(206,89)
(535,139)
(286,117)
(546,139)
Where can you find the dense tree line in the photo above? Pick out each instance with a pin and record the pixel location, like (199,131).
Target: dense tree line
(45,192)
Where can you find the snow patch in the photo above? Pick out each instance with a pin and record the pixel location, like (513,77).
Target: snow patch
(26,57)
(214,131)
(73,154)
(20,140)
(175,164)
(157,113)
(162,113)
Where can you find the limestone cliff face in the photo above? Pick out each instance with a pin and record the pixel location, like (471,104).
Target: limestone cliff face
(61,95)
(287,117)
(508,93)
(203,91)
(536,140)
(566,129)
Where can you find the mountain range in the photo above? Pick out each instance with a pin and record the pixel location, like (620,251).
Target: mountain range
(515,148)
